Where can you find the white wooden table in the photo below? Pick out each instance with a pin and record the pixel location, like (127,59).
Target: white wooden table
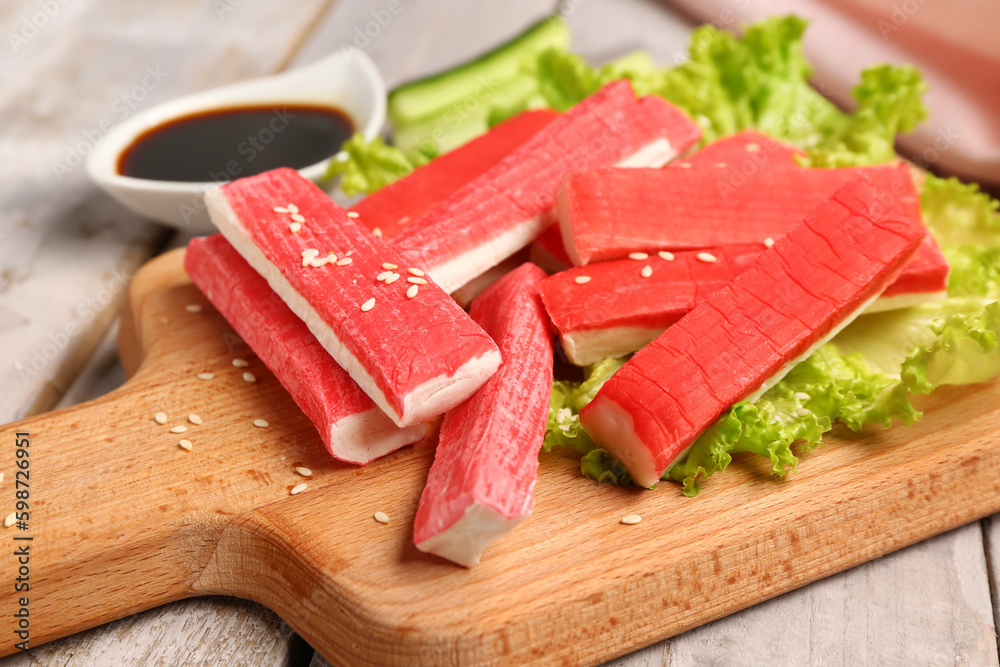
(69,69)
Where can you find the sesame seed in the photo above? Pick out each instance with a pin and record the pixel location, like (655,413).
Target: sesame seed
(580,280)
(415,271)
(206,376)
(802,396)
(412,290)
(391,279)
(685,165)
(381,517)
(180,428)
(260,423)
(344,261)
(368,305)
(193,308)
(295,227)
(377,232)
(292,208)
(640,256)
(646,272)
(353,214)
(707,257)
(298,488)
(185,445)
(316,263)
(348,253)
(768,242)
(802,412)
(415,280)
(382,276)
(1,476)
(753,148)
(668,256)
(9,520)
(249,377)
(389,265)
(195,419)
(280,209)
(332,257)
(160,418)
(305,472)
(296,217)
(631,519)
(240,363)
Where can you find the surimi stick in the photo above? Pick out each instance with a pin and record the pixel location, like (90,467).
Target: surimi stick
(391,208)
(352,427)
(408,345)
(481,484)
(611,309)
(744,338)
(503,209)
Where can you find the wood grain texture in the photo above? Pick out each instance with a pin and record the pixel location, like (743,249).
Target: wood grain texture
(220,520)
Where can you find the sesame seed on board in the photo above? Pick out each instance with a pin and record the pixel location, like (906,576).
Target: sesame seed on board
(186,445)
(206,376)
(368,305)
(193,308)
(9,520)
(381,517)
(640,256)
(160,418)
(249,377)
(707,257)
(580,280)
(195,419)
(260,423)
(631,519)
(298,488)
(240,363)
(305,472)
(179,428)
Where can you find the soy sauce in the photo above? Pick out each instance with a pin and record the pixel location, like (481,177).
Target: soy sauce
(224,144)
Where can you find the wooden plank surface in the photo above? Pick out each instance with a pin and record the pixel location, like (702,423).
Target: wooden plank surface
(220,520)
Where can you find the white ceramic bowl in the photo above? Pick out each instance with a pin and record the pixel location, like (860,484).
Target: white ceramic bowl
(347,80)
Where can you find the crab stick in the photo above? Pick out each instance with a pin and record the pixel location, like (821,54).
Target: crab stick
(736,344)
(406,343)
(481,484)
(391,208)
(611,309)
(351,426)
(504,208)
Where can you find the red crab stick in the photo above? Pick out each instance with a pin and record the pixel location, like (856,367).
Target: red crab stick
(408,345)
(503,209)
(481,484)
(352,427)
(389,209)
(740,341)
(610,309)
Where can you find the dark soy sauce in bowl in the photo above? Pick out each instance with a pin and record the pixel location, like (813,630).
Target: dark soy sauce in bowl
(224,144)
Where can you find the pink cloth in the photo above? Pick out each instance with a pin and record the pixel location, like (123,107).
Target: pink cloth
(953,42)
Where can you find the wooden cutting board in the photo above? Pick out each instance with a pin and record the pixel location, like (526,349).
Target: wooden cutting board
(122,519)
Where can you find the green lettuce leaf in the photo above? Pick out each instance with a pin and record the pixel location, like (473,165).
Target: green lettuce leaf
(369,166)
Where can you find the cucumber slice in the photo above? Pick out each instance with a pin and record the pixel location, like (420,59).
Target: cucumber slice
(420,99)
